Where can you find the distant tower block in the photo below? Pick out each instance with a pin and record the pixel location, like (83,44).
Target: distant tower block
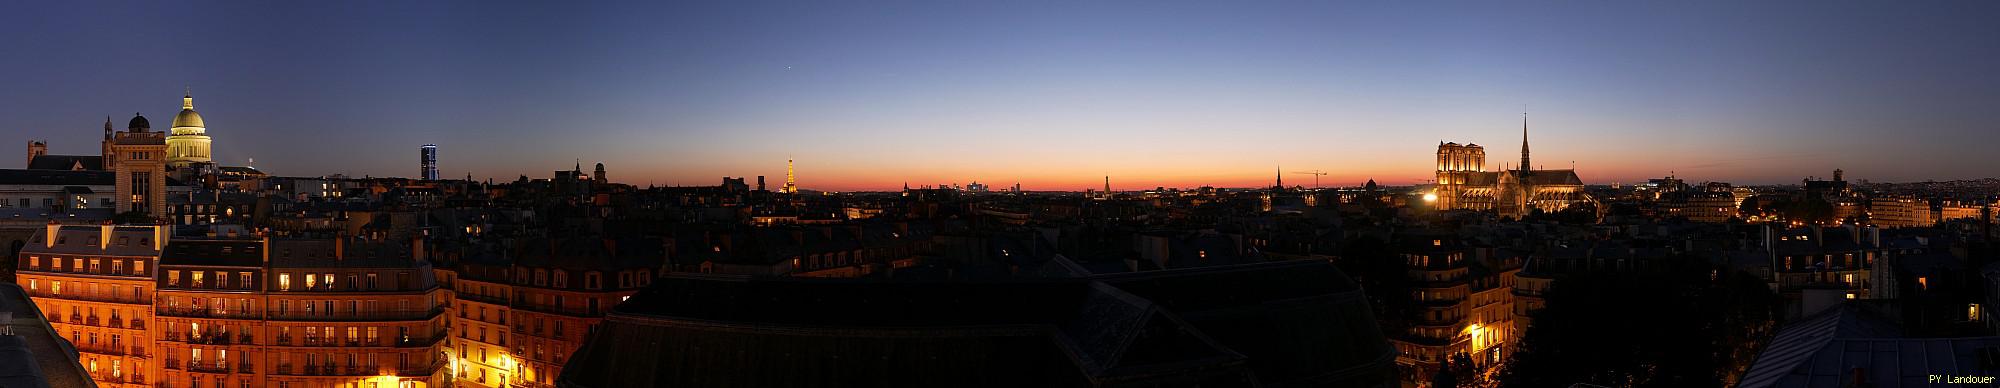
(760,183)
(599,174)
(428,160)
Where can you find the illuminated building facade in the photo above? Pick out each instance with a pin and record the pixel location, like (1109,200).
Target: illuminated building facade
(96,285)
(300,313)
(1900,212)
(240,312)
(1464,183)
(1465,306)
(519,319)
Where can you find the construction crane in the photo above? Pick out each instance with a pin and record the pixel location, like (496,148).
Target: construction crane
(1315,173)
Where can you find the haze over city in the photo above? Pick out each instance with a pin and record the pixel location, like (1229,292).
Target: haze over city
(1051,96)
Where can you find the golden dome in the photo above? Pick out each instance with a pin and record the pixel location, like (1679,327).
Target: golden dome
(188,118)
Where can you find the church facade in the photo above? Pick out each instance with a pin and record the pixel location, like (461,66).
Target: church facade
(1464,183)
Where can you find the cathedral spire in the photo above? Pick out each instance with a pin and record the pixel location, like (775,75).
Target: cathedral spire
(1524,143)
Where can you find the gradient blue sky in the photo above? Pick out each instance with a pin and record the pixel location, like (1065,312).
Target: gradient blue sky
(867,95)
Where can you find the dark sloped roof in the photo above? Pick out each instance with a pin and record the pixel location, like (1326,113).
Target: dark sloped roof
(1294,323)
(234,253)
(64,177)
(1552,178)
(56,177)
(66,162)
(1485,178)
(326,253)
(1825,349)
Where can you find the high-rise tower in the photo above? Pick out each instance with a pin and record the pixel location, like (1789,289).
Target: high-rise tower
(427,159)
(188,141)
(791,180)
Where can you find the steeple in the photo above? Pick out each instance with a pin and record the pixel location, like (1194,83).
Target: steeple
(1525,166)
(1281,177)
(107,127)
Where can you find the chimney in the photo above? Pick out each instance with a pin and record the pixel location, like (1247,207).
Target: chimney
(104,236)
(49,239)
(340,246)
(417,251)
(267,250)
(161,234)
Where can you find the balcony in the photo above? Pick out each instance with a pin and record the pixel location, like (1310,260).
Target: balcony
(203,312)
(246,339)
(574,311)
(282,340)
(246,368)
(207,367)
(138,351)
(88,297)
(101,349)
(115,323)
(422,342)
(208,339)
(385,315)
(492,300)
(326,370)
(426,370)
(172,364)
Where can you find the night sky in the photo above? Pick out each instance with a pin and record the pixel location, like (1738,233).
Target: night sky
(1053,95)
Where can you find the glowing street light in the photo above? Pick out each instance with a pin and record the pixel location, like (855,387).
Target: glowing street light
(1430,197)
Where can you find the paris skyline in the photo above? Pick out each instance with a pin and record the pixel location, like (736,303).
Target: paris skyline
(1050,96)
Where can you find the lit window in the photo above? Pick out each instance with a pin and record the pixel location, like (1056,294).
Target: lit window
(1972,312)
(1850,295)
